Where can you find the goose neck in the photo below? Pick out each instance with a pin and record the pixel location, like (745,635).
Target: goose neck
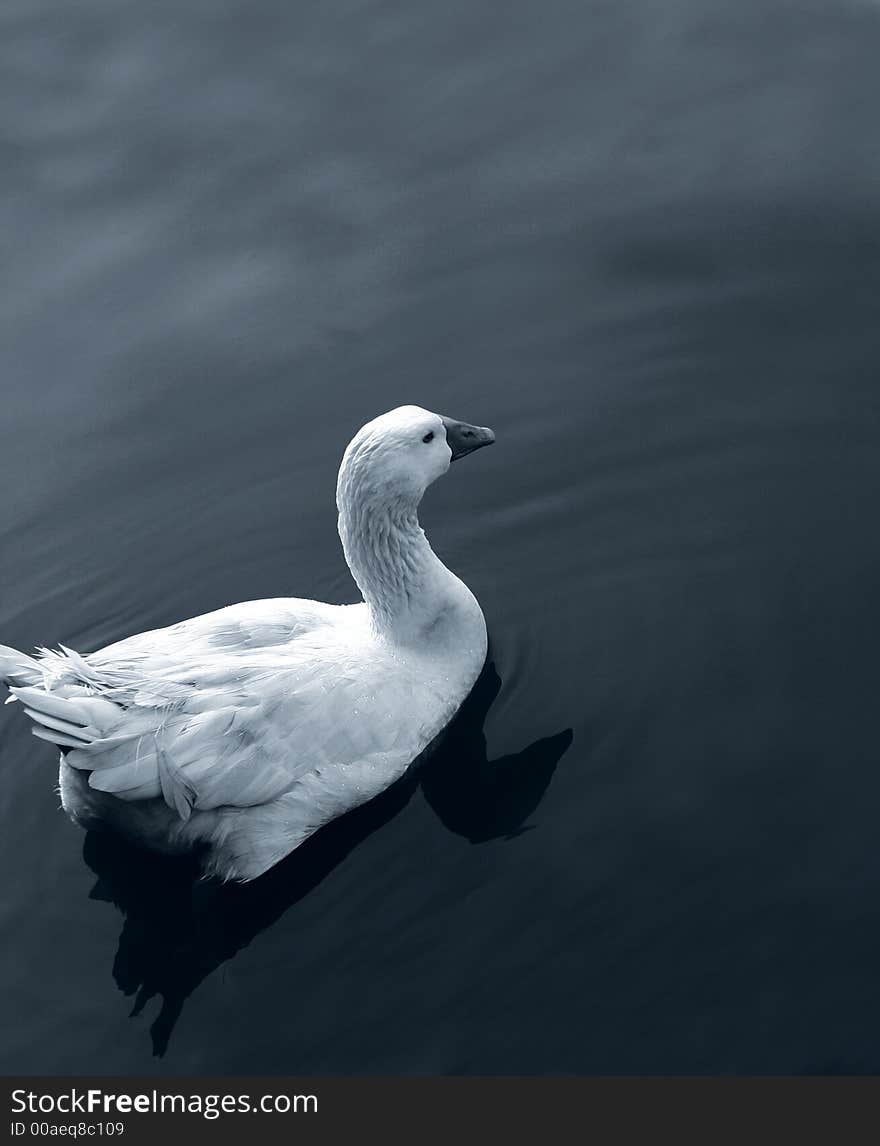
(402,580)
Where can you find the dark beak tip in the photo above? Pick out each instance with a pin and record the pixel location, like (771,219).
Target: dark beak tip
(463,438)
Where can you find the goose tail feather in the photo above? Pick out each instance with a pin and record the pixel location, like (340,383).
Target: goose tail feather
(18,668)
(67,715)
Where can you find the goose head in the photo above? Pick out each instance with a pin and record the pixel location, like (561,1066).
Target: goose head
(394,458)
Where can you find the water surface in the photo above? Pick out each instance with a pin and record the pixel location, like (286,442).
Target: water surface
(640,241)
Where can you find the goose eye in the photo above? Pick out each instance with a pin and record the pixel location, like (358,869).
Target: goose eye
(429,437)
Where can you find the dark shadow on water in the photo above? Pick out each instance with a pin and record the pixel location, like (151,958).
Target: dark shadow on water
(483,799)
(178,928)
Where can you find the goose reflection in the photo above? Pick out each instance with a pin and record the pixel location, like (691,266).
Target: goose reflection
(179,928)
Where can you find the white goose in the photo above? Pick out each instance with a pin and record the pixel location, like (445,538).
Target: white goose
(245,730)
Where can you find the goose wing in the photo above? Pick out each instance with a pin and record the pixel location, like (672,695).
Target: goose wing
(229,709)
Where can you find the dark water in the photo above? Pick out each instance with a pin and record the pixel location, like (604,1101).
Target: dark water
(641,241)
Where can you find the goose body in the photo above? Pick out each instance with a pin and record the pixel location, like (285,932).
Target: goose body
(244,730)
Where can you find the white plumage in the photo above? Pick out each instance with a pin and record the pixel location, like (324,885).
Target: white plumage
(245,730)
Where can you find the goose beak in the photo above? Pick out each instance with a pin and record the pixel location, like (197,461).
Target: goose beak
(464,439)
